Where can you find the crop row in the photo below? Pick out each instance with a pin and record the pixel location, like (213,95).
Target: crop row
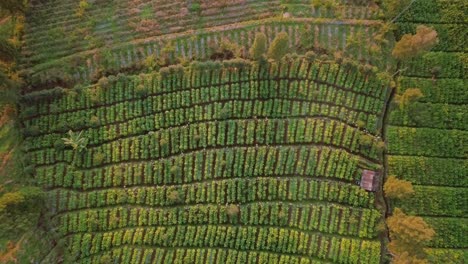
(450,91)
(207,165)
(139,121)
(269,239)
(433,11)
(133,254)
(193,137)
(450,232)
(440,64)
(427,142)
(300,77)
(215,192)
(186,103)
(437,201)
(130,55)
(131,26)
(330,218)
(429,115)
(430,171)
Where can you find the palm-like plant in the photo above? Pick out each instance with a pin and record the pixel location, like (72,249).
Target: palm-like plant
(76,141)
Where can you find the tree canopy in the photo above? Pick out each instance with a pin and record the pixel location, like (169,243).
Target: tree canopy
(259,47)
(411,46)
(408,234)
(395,188)
(279,47)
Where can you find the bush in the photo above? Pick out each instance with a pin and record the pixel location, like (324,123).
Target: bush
(99,158)
(399,189)
(173,196)
(232,210)
(259,47)
(279,47)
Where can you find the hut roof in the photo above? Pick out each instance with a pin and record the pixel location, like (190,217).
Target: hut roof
(369,180)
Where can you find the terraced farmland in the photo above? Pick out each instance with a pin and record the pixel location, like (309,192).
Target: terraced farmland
(278,144)
(238,131)
(428,141)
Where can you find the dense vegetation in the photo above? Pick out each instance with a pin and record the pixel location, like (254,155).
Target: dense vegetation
(200,131)
(427,139)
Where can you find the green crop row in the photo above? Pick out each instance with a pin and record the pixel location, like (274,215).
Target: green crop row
(451,91)
(429,115)
(245,79)
(434,11)
(450,232)
(430,171)
(207,165)
(427,142)
(177,140)
(270,239)
(215,192)
(332,219)
(438,64)
(436,201)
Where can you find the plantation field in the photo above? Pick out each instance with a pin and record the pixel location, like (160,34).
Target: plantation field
(56,52)
(427,141)
(236,131)
(171,152)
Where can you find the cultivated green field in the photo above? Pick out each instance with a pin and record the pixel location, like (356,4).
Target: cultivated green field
(158,136)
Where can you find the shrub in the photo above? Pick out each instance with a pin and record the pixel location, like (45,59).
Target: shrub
(279,47)
(259,47)
(409,96)
(99,158)
(399,189)
(103,82)
(366,140)
(173,196)
(232,210)
(59,145)
(94,121)
(141,90)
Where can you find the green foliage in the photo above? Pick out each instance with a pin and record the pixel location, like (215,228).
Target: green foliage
(279,47)
(259,47)
(76,141)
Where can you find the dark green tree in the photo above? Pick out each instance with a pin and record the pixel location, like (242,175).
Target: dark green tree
(279,47)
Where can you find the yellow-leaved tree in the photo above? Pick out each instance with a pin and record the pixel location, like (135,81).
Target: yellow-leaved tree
(399,189)
(408,236)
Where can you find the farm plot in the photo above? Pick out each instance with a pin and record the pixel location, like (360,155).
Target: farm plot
(235,162)
(439,122)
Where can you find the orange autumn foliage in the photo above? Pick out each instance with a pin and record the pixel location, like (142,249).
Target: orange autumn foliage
(411,46)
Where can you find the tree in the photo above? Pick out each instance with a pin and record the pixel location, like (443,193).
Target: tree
(8,52)
(279,47)
(408,234)
(409,96)
(13,6)
(399,189)
(76,141)
(259,47)
(411,46)
(11,198)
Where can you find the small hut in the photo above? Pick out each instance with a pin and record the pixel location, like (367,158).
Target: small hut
(370,180)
